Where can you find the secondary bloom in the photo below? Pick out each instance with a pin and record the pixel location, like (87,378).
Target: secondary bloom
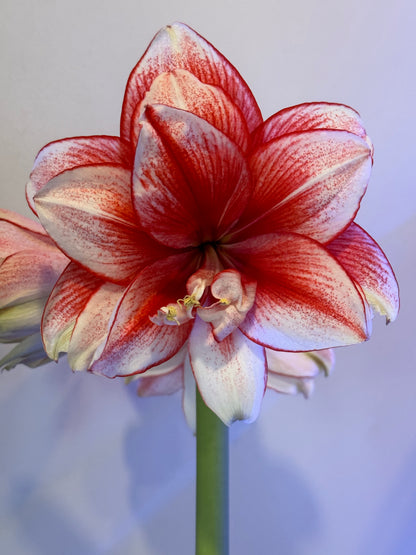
(207,236)
(30,264)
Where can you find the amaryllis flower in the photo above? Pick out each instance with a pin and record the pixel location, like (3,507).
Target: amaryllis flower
(205,233)
(30,264)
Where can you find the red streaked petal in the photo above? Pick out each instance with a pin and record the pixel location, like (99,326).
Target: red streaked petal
(67,300)
(230,374)
(190,181)
(89,213)
(181,89)
(310,116)
(305,300)
(92,325)
(179,47)
(135,344)
(309,183)
(20,233)
(29,275)
(368,266)
(66,154)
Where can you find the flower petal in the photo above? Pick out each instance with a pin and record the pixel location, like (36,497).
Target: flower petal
(88,212)
(163,384)
(20,233)
(19,321)
(181,89)
(231,374)
(92,325)
(300,365)
(289,385)
(305,300)
(29,352)
(135,344)
(67,300)
(309,116)
(189,394)
(66,154)
(179,47)
(29,275)
(368,266)
(309,183)
(190,181)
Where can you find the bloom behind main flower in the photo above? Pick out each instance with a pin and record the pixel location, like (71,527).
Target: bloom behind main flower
(29,266)
(204,228)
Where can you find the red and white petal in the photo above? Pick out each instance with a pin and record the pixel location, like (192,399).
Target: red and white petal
(67,300)
(231,374)
(181,89)
(135,344)
(179,47)
(66,154)
(92,325)
(20,233)
(289,385)
(29,275)
(310,116)
(163,384)
(300,365)
(309,183)
(89,213)
(189,394)
(305,300)
(368,266)
(190,182)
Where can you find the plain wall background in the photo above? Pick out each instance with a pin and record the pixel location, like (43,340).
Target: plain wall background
(88,468)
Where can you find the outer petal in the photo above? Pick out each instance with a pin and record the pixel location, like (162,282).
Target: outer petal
(294,373)
(190,181)
(368,266)
(305,300)
(181,89)
(189,394)
(20,233)
(66,154)
(135,344)
(179,47)
(21,320)
(92,325)
(29,275)
(164,384)
(88,212)
(310,183)
(231,375)
(29,352)
(309,116)
(67,300)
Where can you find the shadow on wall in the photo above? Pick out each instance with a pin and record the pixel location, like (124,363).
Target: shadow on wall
(393,529)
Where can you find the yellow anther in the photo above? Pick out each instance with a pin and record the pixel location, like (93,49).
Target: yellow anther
(224,301)
(189,301)
(171,314)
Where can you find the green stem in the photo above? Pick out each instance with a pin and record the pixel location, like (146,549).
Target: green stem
(211,482)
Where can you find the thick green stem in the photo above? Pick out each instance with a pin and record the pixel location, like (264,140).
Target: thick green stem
(211,482)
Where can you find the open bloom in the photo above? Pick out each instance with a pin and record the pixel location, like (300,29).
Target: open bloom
(205,237)
(30,264)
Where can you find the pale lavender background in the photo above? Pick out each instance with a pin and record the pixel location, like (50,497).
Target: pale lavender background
(87,468)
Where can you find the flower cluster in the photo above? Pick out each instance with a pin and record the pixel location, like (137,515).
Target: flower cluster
(208,246)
